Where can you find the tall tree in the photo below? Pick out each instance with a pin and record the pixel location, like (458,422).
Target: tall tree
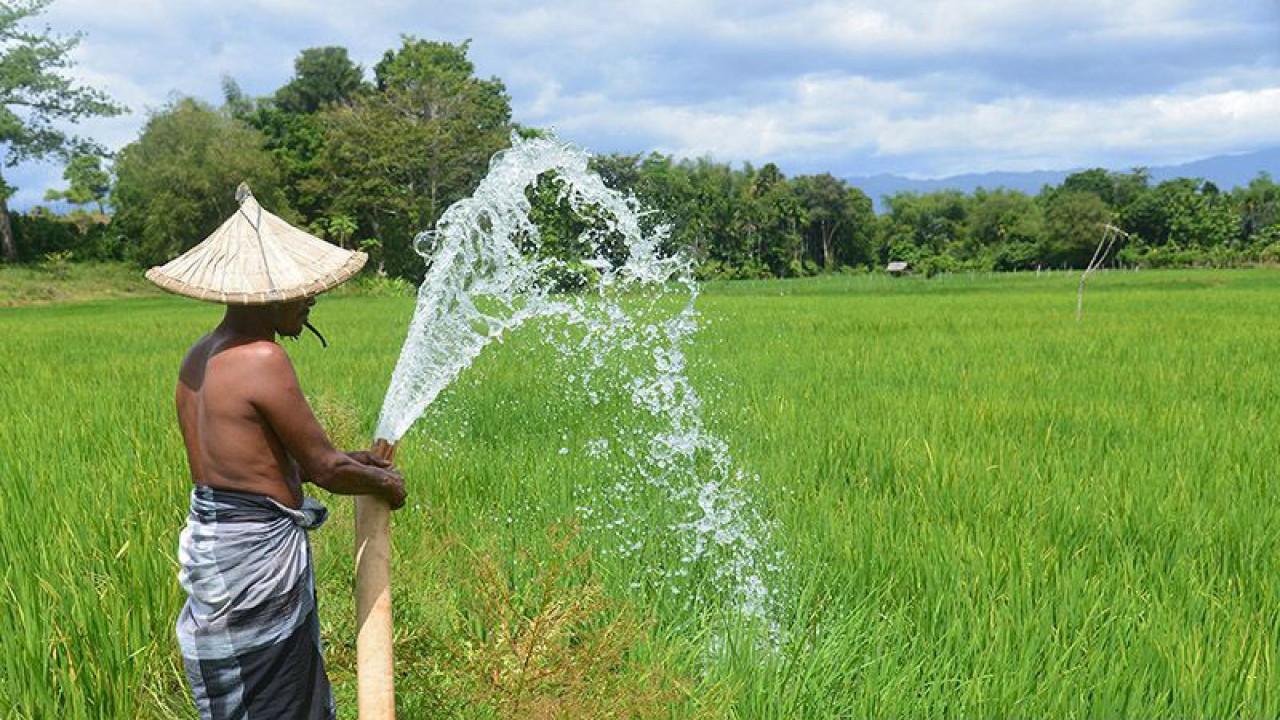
(397,157)
(840,220)
(1095,180)
(321,76)
(290,119)
(858,245)
(1259,205)
(1006,226)
(825,200)
(1074,222)
(177,181)
(35,95)
(930,221)
(774,219)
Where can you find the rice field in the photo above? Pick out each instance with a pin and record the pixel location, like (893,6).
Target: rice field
(983,508)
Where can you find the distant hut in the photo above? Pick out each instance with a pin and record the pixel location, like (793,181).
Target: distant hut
(897,267)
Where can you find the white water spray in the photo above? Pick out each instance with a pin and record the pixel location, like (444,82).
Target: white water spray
(487,275)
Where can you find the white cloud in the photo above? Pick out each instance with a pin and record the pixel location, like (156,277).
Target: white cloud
(848,86)
(845,123)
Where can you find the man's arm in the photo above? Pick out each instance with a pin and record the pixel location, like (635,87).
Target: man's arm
(274,391)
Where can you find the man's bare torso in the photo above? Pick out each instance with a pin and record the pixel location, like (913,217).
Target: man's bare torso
(230,445)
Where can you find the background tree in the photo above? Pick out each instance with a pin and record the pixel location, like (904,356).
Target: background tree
(922,225)
(860,247)
(1073,225)
(234,101)
(35,94)
(1095,180)
(1007,226)
(396,158)
(88,182)
(290,120)
(1259,207)
(176,183)
(840,221)
(321,76)
(826,203)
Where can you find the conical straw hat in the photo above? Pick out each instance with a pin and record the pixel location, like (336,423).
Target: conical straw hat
(256,258)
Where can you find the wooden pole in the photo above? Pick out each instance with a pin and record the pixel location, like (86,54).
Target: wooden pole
(375,674)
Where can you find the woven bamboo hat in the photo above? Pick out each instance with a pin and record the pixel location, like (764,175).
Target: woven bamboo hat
(256,258)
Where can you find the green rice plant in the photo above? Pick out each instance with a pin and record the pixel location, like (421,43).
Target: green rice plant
(983,507)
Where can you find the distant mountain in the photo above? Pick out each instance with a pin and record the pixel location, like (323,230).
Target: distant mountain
(1225,171)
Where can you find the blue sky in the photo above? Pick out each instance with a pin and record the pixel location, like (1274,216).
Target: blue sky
(925,89)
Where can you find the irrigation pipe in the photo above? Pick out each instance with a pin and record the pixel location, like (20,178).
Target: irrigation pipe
(375,664)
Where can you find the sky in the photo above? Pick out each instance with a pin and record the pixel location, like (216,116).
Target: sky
(911,87)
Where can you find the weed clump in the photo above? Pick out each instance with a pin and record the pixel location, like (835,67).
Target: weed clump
(537,637)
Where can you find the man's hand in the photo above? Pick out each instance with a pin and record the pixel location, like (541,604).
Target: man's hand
(392,489)
(391,482)
(364,457)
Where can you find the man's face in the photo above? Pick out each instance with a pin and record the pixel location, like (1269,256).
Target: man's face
(289,317)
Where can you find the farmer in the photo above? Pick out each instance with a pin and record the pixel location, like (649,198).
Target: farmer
(249,634)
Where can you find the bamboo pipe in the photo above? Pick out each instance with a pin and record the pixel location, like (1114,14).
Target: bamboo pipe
(375,678)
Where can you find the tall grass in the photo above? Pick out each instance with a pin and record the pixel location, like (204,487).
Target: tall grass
(986,508)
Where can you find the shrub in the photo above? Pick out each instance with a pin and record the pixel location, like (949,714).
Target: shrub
(37,235)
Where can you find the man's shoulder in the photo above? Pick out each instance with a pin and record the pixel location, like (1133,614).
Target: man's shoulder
(259,353)
(260,349)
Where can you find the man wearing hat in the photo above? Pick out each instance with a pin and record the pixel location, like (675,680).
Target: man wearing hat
(249,633)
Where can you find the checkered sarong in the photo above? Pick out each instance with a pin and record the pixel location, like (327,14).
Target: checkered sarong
(249,634)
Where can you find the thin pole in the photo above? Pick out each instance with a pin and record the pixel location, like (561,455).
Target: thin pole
(1109,235)
(375,664)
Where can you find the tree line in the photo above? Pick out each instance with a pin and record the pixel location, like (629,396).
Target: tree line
(368,159)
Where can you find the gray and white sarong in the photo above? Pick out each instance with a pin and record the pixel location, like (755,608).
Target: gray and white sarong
(249,632)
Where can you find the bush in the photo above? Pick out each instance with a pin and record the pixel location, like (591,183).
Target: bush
(936,265)
(805,268)
(1270,253)
(373,284)
(750,270)
(38,235)
(1016,256)
(1172,256)
(711,270)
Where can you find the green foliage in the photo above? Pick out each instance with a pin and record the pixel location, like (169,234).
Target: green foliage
(295,142)
(1074,223)
(41,234)
(396,158)
(930,222)
(566,236)
(322,76)
(88,182)
(337,228)
(35,91)
(1004,216)
(36,97)
(744,223)
(176,183)
(375,285)
(1096,181)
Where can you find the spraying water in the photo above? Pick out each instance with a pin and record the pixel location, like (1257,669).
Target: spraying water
(487,274)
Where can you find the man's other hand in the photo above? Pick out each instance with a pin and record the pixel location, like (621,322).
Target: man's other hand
(364,457)
(390,481)
(392,488)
